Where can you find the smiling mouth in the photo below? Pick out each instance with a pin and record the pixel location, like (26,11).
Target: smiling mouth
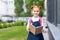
(35,13)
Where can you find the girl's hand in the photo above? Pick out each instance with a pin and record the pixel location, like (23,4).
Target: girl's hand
(42,30)
(28,29)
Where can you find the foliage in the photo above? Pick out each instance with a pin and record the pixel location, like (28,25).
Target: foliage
(29,3)
(16,23)
(18,6)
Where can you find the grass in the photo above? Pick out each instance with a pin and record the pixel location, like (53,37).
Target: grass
(13,33)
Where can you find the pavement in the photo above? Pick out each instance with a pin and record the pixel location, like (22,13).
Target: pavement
(45,33)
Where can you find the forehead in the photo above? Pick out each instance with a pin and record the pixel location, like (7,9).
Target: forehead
(35,8)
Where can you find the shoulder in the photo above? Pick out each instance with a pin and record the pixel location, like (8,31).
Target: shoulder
(30,19)
(40,18)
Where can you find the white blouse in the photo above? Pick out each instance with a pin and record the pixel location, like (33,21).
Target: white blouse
(34,19)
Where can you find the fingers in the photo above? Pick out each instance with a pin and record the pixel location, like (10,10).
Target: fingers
(28,29)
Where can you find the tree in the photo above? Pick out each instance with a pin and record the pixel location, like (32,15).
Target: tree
(18,6)
(29,3)
(35,2)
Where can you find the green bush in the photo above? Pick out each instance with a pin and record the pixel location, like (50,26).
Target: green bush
(8,25)
(24,23)
(16,23)
(19,23)
(5,25)
(1,26)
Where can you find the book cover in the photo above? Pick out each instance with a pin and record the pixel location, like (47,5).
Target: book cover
(36,30)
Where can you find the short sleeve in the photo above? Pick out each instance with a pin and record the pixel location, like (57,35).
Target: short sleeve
(41,21)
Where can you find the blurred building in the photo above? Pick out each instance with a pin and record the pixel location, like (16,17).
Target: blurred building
(53,19)
(45,5)
(7,8)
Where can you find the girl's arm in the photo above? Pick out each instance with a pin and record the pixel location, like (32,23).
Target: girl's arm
(41,22)
(29,22)
(27,26)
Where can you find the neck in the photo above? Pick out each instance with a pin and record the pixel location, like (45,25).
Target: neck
(35,16)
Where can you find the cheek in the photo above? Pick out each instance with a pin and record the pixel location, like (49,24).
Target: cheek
(33,12)
(37,13)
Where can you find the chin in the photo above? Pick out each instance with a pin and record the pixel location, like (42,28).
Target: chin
(36,15)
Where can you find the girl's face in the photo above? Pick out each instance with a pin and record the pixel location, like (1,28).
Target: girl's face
(35,11)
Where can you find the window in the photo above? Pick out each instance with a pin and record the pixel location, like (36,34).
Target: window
(50,10)
(58,13)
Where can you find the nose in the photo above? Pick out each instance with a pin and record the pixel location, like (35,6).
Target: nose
(36,12)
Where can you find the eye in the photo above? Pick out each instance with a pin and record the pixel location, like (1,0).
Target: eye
(36,11)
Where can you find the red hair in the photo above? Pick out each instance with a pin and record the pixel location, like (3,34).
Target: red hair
(36,7)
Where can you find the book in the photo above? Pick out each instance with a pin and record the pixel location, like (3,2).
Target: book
(36,30)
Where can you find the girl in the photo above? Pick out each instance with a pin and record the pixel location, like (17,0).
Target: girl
(36,21)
